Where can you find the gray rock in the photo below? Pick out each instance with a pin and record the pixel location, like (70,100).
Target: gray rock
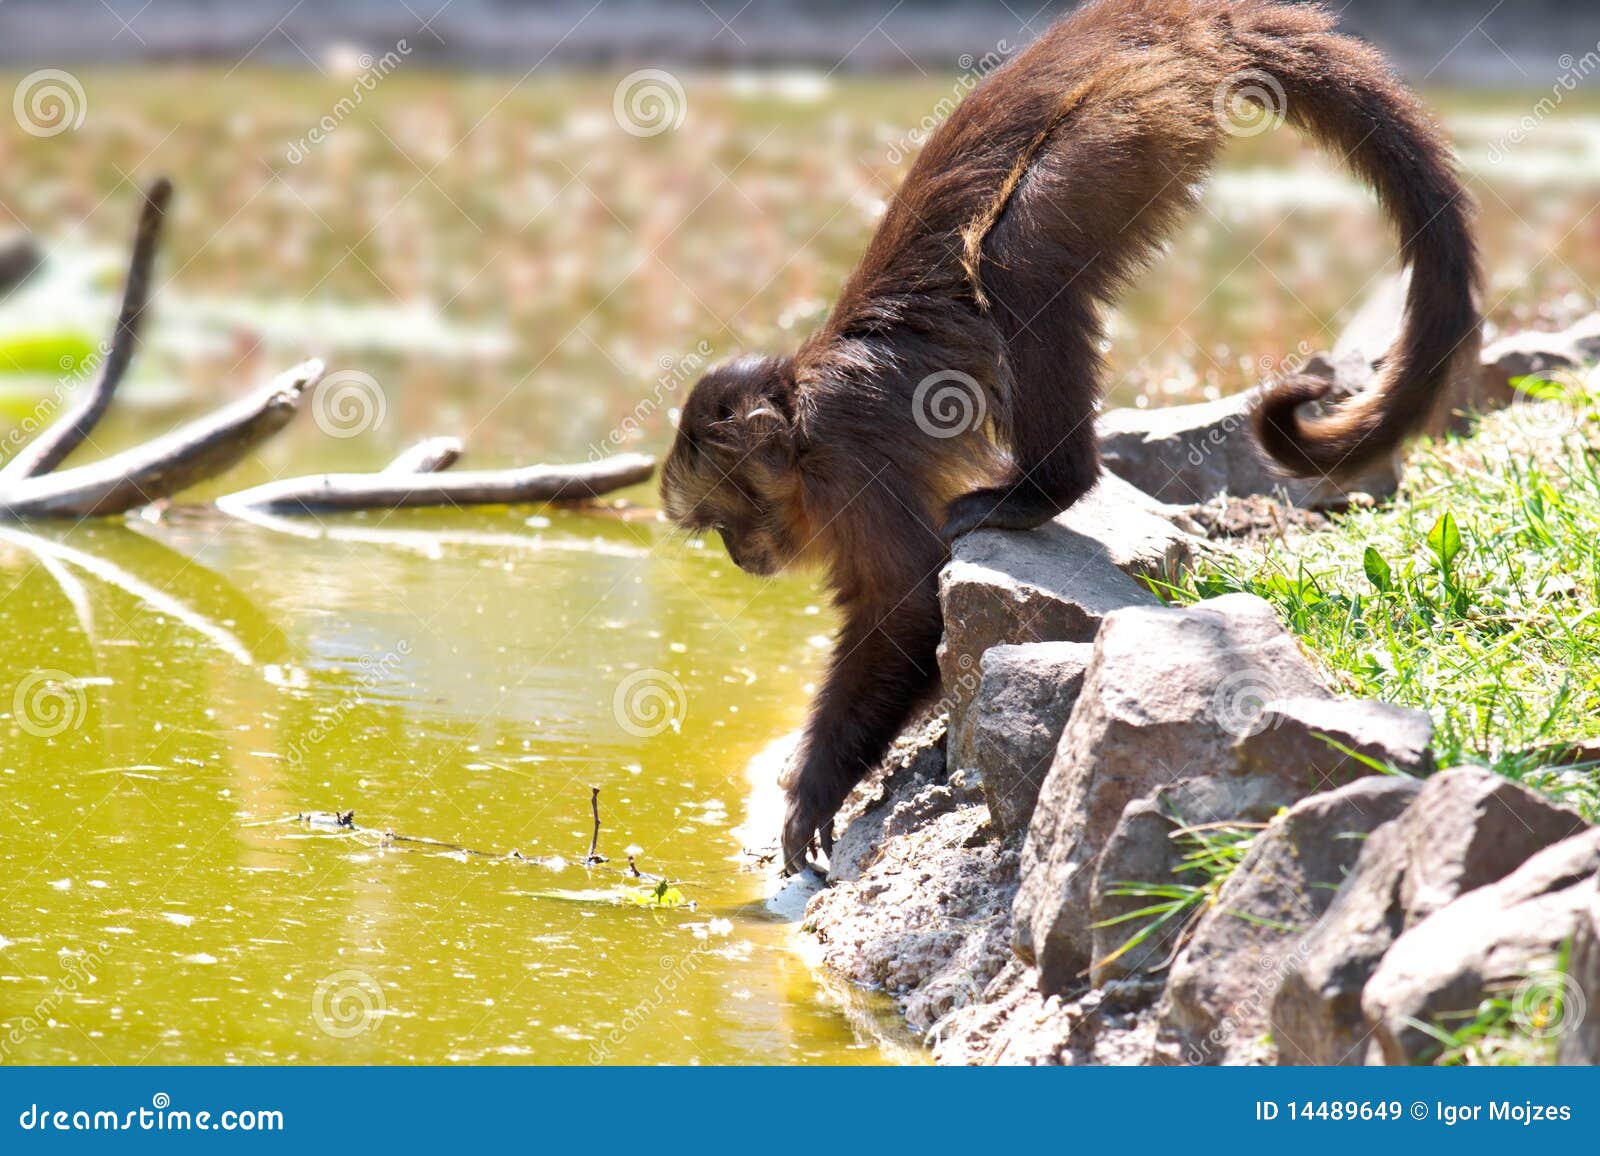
(1168,695)
(1467,828)
(1190,454)
(1024,696)
(1279,760)
(1529,353)
(1580,1039)
(1052,584)
(1144,537)
(1494,938)
(1216,1004)
(20,255)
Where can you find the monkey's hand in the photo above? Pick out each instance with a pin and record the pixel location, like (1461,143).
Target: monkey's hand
(803,825)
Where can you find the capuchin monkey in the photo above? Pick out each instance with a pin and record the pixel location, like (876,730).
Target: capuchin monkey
(955,383)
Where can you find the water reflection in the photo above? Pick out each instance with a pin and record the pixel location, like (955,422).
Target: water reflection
(452,676)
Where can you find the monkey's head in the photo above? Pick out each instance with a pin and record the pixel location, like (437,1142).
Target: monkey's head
(733,464)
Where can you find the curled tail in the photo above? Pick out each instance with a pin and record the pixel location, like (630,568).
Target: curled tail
(1342,93)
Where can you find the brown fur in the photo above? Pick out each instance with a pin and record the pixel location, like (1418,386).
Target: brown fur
(1040,198)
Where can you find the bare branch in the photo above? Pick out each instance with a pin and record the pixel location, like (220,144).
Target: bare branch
(325,493)
(51,447)
(165,465)
(429,456)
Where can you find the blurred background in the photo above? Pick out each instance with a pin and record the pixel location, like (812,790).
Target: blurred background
(530,225)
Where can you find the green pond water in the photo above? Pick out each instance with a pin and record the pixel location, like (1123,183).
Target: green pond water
(468,684)
(505,264)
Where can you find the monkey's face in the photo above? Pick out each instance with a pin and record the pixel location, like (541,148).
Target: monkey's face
(732,467)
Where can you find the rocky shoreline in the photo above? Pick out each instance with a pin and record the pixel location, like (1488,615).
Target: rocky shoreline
(1137,834)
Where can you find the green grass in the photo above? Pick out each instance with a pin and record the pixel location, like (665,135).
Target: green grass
(1211,852)
(1518,1024)
(1474,594)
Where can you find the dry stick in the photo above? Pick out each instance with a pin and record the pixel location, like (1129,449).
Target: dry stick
(163,466)
(63,436)
(429,456)
(594,855)
(330,493)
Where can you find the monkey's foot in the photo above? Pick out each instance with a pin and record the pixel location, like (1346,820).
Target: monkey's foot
(995,508)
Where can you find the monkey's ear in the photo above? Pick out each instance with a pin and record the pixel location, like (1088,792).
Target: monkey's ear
(767,433)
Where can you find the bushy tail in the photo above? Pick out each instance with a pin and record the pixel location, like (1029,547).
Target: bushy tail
(1342,93)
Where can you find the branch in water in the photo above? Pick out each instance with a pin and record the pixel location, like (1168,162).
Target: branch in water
(429,456)
(594,855)
(165,465)
(51,447)
(330,493)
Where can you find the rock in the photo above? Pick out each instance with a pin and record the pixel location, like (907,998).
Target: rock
(1024,696)
(1580,1039)
(1529,353)
(1144,537)
(921,898)
(20,255)
(1053,584)
(1497,937)
(1466,829)
(1190,454)
(1219,992)
(1168,695)
(911,783)
(1279,760)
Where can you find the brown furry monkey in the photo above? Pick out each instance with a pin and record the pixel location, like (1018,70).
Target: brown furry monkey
(956,381)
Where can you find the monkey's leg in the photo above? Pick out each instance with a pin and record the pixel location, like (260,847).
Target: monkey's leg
(1054,447)
(883,666)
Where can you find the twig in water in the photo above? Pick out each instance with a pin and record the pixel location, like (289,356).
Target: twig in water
(594,855)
